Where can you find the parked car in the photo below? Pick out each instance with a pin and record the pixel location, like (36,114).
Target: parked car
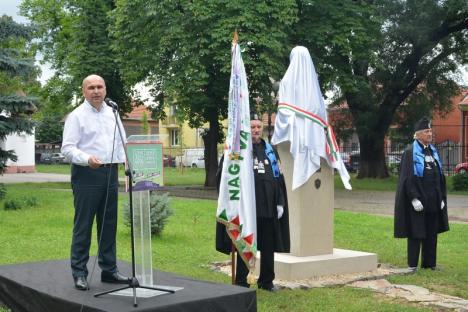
(52,158)
(353,163)
(169,161)
(198,162)
(57,158)
(393,163)
(393,159)
(193,157)
(351,160)
(45,158)
(461,168)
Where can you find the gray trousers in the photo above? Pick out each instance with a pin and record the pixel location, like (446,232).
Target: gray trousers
(90,191)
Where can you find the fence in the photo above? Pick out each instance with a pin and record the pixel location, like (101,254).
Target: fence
(450,154)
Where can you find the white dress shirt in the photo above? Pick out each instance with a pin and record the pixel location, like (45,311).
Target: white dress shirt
(89,132)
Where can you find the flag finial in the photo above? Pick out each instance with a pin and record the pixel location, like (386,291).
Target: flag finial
(235,37)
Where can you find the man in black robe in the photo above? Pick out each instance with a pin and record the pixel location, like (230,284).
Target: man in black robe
(421,199)
(272,211)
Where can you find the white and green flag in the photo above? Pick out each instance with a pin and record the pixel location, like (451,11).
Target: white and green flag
(236,201)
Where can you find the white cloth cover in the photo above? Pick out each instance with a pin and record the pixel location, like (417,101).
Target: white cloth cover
(302,120)
(236,200)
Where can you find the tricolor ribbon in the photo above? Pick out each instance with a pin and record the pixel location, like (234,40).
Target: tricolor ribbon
(331,147)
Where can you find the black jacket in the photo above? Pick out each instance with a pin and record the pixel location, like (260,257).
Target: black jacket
(281,226)
(408,222)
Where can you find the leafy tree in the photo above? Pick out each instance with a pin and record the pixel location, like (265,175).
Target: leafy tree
(383,54)
(49,129)
(145,127)
(74,38)
(181,49)
(55,97)
(17,72)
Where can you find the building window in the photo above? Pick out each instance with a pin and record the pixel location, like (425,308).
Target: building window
(174,137)
(173,110)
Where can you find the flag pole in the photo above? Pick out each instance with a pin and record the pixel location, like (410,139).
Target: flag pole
(235,39)
(233,264)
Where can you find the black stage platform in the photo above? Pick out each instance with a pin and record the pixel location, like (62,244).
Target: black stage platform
(48,287)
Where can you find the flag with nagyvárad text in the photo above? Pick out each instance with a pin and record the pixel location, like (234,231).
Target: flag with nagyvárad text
(236,201)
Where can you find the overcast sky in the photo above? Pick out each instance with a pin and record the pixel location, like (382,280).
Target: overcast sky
(10,7)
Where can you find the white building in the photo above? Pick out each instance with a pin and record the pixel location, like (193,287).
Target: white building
(23,146)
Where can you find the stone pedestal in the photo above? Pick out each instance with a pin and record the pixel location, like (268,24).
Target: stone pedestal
(311,227)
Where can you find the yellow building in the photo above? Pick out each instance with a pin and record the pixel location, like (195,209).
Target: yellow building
(177,136)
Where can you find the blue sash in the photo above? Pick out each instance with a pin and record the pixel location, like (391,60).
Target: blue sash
(270,153)
(418,159)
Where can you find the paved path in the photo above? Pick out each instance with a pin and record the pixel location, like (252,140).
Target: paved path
(34,177)
(375,202)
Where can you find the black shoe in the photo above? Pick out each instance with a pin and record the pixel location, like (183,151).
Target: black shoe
(272,288)
(435,268)
(81,283)
(114,277)
(241,284)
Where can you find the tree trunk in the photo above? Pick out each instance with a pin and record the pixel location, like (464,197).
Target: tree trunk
(210,140)
(372,122)
(372,157)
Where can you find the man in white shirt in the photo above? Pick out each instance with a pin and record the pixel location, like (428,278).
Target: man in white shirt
(92,143)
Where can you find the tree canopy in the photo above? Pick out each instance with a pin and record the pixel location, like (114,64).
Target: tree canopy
(383,54)
(74,38)
(17,72)
(182,50)
(390,61)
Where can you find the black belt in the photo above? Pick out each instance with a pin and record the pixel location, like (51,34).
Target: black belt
(107,165)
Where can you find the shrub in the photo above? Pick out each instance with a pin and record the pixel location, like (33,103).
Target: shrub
(460,182)
(394,168)
(2,191)
(30,201)
(160,211)
(13,204)
(16,204)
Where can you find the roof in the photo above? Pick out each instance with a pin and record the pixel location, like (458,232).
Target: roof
(464,100)
(137,113)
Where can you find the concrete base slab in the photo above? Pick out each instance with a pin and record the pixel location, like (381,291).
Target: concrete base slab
(342,261)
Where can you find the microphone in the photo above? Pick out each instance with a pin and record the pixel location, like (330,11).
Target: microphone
(111,103)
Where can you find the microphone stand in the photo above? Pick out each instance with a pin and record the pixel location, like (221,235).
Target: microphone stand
(133,281)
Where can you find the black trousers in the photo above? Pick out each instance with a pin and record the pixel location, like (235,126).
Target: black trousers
(266,245)
(427,246)
(90,192)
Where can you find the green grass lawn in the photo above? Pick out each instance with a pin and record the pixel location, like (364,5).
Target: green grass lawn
(172,176)
(196,176)
(186,247)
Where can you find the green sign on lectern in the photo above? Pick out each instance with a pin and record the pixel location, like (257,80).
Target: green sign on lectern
(145,158)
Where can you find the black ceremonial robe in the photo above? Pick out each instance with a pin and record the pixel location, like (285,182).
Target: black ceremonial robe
(263,189)
(409,223)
